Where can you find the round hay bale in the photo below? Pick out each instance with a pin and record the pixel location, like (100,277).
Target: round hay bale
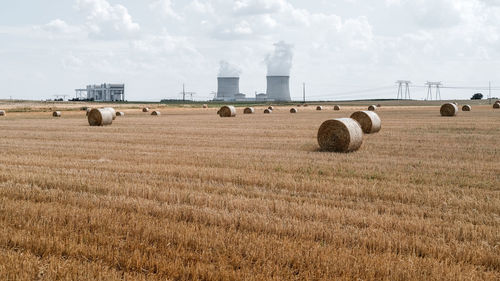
(379,105)
(496,106)
(155,113)
(145,109)
(249,110)
(83,108)
(336,108)
(299,105)
(319,107)
(88,110)
(56,114)
(227,111)
(372,107)
(271,108)
(2,113)
(293,110)
(100,117)
(119,113)
(112,110)
(305,105)
(368,120)
(340,135)
(268,111)
(205,106)
(449,109)
(466,108)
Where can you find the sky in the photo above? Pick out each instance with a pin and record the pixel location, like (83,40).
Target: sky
(343,49)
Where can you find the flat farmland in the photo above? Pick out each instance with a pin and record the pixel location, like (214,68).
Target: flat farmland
(191,196)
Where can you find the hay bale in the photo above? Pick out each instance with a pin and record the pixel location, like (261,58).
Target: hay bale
(372,107)
(368,120)
(205,106)
(2,113)
(319,107)
(336,108)
(293,110)
(156,113)
(227,111)
(299,105)
(379,105)
(268,111)
(119,113)
(340,135)
(305,105)
(466,108)
(100,117)
(449,109)
(496,106)
(249,110)
(83,108)
(56,114)
(112,110)
(271,108)
(145,109)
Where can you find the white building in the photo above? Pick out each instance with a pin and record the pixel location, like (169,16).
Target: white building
(106,92)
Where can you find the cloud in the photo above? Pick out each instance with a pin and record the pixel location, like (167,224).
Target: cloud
(108,21)
(202,7)
(165,7)
(233,31)
(59,26)
(255,7)
(72,62)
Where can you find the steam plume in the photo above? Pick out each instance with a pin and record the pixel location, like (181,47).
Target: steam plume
(228,70)
(279,63)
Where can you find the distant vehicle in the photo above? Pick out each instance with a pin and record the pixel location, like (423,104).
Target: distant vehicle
(477,96)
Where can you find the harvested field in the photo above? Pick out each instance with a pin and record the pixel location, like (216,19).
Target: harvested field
(196,196)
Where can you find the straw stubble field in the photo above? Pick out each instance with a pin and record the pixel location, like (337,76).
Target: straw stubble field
(190,195)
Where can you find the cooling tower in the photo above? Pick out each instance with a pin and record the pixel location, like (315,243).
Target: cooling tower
(227,87)
(278,88)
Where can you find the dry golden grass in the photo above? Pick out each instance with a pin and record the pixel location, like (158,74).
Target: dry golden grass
(189,195)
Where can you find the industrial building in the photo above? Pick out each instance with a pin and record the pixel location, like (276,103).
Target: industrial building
(103,92)
(227,88)
(278,88)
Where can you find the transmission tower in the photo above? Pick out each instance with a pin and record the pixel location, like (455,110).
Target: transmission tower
(431,85)
(406,84)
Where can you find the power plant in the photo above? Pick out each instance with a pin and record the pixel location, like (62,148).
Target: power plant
(103,92)
(228,88)
(278,88)
(279,64)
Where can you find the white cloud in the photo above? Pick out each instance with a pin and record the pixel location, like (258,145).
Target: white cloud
(202,7)
(58,25)
(165,7)
(108,21)
(253,7)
